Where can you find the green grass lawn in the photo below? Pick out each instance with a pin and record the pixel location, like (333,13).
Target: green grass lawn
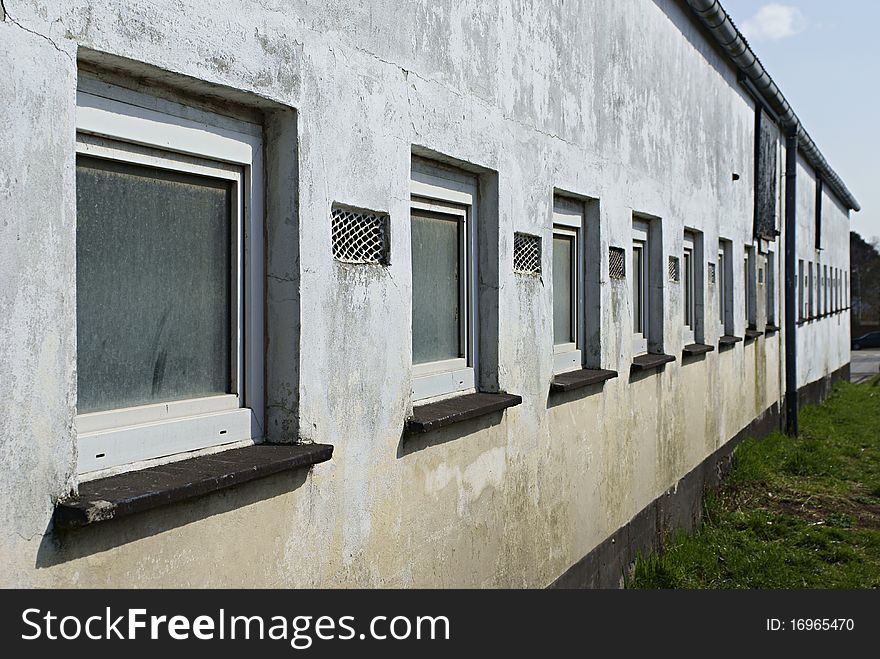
(794,513)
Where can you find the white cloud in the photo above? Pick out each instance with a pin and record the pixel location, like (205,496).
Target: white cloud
(773,22)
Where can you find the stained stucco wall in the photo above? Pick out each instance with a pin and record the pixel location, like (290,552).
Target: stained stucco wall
(823,343)
(624,102)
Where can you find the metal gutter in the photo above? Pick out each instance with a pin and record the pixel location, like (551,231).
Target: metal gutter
(715,19)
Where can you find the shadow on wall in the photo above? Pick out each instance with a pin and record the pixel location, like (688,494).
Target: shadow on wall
(412,442)
(60,547)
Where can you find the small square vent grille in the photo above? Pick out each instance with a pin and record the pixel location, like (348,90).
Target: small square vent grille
(673,268)
(616,263)
(359,236)
(526,254)
(711,273)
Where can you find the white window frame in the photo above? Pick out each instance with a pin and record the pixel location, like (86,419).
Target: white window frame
(750,278)
(689,287)
(568,223)
(721,289)
(453,194)
(837,289)
(803,289)
(824,289)
(807,292)
(770,283)
(640,277)
(119,124)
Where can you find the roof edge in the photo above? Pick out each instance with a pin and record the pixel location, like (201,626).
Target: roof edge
(727,36)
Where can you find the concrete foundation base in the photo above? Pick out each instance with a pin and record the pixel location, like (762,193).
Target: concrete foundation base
(680,507)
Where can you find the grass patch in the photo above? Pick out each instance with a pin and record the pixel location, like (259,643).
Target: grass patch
(794,513)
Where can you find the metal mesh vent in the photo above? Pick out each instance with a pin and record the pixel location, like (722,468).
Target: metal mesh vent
(359,236)
(673,268)
(616,263)
(711,273)
(526,254)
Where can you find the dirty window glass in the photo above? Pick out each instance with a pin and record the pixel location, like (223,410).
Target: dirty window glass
(688,290)
(563,253)
(154,285)
(436,311)
(638,284)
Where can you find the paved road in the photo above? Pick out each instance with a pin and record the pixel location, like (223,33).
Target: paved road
(863,364)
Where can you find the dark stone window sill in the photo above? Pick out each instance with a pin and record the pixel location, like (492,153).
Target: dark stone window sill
(728,340)
(650,362)
(583,377)
(771,329)
(461,408)
(138,491)
(752,334)
(694,349)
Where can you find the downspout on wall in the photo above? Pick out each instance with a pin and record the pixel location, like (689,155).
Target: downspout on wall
(791,285)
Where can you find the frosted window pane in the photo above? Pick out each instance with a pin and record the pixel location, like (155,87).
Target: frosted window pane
(435,274)
(637,289)
(688,291)
(562,294)
(153,284)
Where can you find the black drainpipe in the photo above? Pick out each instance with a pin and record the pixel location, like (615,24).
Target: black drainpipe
(791,286)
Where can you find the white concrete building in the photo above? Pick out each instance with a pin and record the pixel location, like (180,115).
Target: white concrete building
(393,294)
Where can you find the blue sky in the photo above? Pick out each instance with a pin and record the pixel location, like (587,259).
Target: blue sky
(825,57)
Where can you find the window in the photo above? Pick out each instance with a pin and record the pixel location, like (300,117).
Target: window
(750,288)
(833,290)
(770,283)
(807,287)
(168,278)
(803,300)
(811,292)
(444,301)
(639,278)
(837,290)
(689,287)
(568,290)
(725,287)
(825,294)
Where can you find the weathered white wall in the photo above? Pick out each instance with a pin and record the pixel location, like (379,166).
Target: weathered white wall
(624,102)
(823,344)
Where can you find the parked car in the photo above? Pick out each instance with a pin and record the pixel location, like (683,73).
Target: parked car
(869,340)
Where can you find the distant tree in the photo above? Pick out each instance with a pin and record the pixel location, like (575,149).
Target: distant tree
(864,263)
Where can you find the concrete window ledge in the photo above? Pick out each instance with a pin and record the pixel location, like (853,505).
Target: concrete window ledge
(137,491)
(694,349)
(771,329)
(650,362)
(432,416)
(583,377)
(752,334)
(728,340)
